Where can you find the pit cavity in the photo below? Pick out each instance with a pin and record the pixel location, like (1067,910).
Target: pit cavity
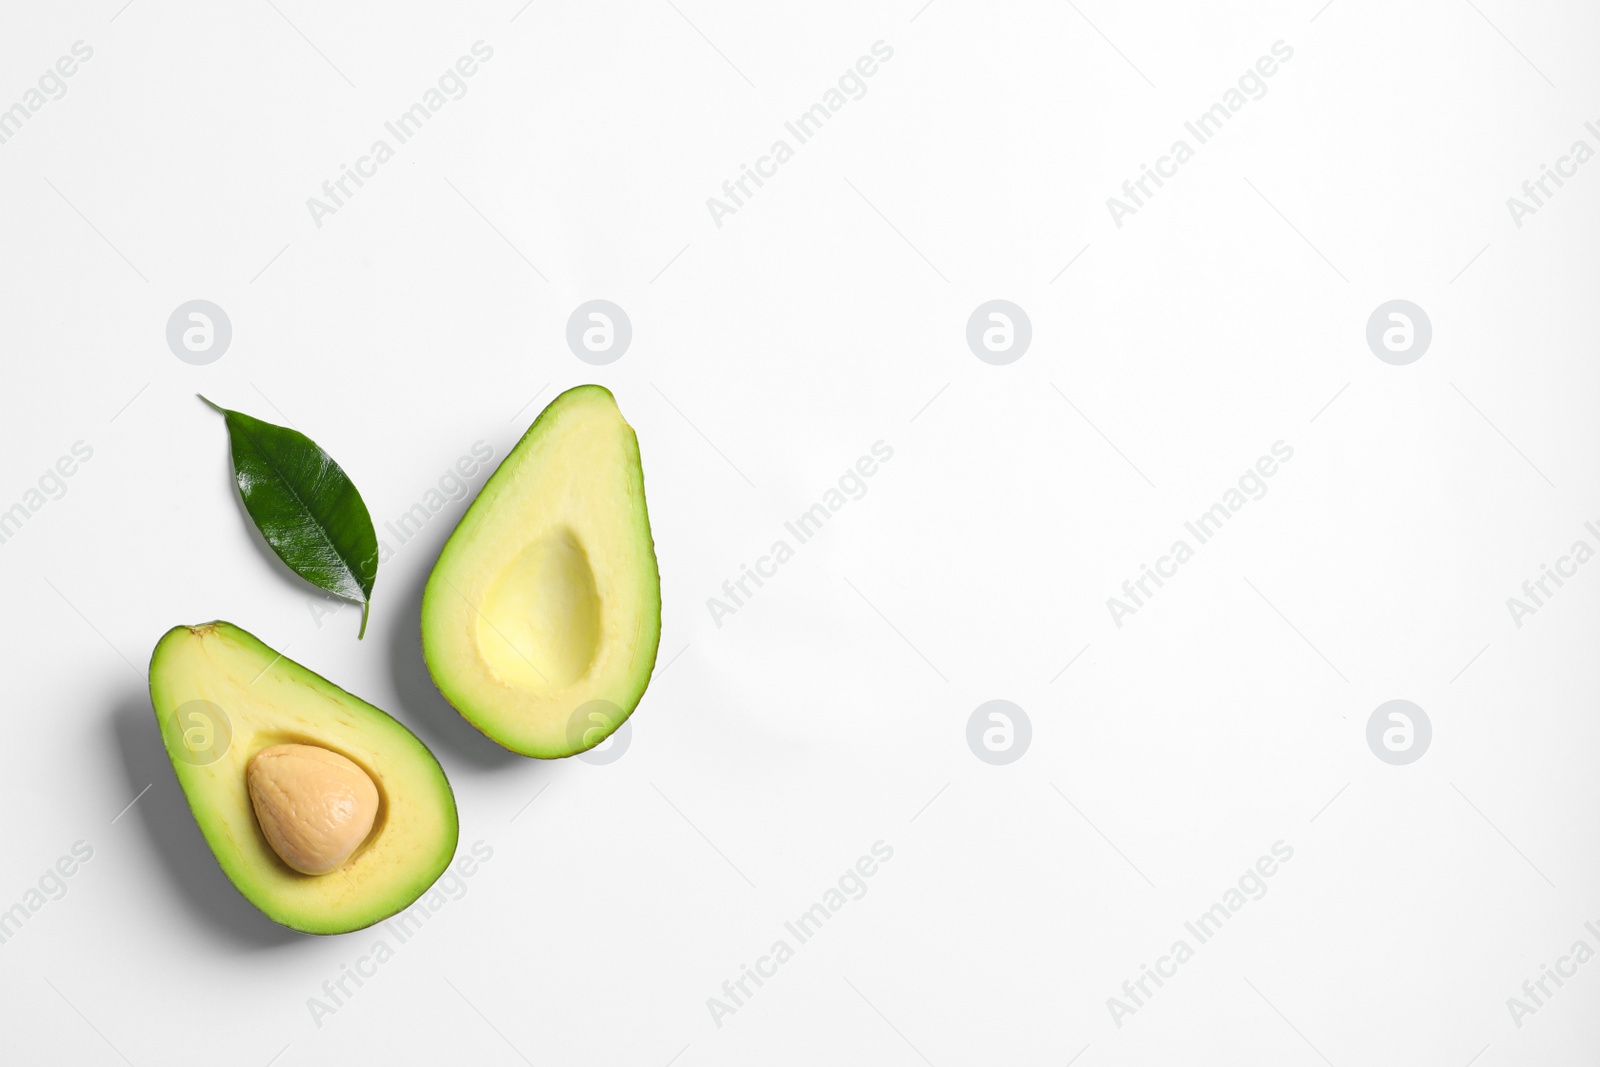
(539,626)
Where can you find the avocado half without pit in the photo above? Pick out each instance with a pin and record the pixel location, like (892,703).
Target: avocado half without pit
(542,618)
(326,813)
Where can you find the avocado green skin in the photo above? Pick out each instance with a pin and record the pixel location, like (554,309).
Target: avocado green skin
(435,603)
(221,838)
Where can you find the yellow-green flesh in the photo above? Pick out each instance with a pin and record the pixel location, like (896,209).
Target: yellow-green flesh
(270,700)
(546,599)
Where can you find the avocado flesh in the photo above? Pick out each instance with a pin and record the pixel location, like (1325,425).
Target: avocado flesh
(270,700)
(542,618)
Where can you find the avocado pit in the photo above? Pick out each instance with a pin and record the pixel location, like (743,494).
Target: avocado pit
(315,807)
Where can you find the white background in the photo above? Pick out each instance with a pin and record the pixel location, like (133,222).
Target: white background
(768,354)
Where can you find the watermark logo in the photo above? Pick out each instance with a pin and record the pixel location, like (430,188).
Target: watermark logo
(1399,332)
(50,86)
(52,485)
(1537,992)
(51,887)
(1399,732)
(1536,192)
(851,485)
(998,732)
(1251,485)
(392,934)
(599,332)
(999,332)
(851,885)
(451,85)
(199,332)
(738,191)
(205,733)
(597,719)
(1250,886)
(1536,592)
(1251,85)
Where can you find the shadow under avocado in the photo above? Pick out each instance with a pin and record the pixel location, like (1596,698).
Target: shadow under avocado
(164,814)
(419,703)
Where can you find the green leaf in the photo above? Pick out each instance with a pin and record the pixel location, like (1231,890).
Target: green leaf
(306,507)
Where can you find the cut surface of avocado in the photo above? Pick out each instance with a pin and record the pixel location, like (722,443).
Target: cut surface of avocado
(222,698)
(541,619)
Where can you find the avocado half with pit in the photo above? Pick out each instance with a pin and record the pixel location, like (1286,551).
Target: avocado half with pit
(326,813)
(542,618)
